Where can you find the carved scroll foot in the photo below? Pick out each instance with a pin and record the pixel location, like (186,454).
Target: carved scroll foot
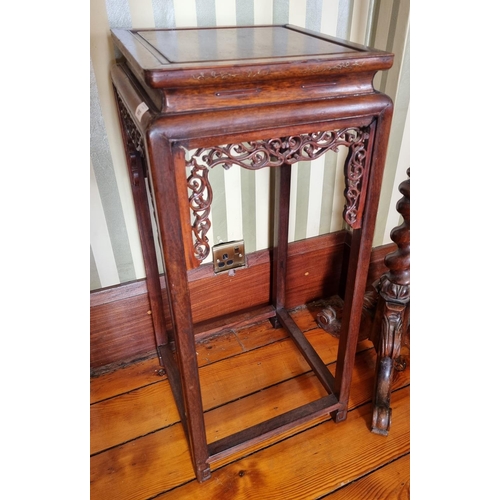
(330,317)
(389,321)
(381,418)
(384,323)
(392,316)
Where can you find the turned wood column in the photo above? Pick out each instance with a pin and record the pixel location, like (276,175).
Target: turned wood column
(392,314)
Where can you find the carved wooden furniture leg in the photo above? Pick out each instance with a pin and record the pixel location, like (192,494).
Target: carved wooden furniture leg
(330,318)
(392,314)
(137,169)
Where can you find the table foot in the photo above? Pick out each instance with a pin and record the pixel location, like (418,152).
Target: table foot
(327,319)
(203,473)
(339,415)
(381,420)
(330,317)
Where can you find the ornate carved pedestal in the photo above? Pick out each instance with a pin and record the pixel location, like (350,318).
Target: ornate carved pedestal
(392,316)
(385,317)
(192,100)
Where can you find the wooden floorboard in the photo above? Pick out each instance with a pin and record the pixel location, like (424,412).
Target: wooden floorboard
(390,482)
(139,452)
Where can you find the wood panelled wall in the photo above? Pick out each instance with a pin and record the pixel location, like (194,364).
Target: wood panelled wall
(241,210)
(121,328)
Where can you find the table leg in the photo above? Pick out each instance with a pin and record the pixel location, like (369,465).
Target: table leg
(135,157)
(359,256)
(392,314)
(168,166)
(281,217)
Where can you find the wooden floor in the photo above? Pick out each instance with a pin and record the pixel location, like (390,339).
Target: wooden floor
(138,449)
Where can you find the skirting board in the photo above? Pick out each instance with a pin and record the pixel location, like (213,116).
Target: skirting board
(121,329)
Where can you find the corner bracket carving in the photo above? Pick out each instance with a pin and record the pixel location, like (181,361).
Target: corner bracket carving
(254,155)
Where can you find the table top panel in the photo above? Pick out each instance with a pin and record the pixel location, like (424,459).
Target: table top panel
(203,57)
(227,44)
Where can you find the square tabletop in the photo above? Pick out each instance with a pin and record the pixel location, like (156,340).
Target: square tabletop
(181,56)
(237,43)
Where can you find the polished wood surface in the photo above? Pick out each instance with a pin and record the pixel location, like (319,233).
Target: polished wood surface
(117,314)
(138,448)
(315,268)
(237,44)
(392,317)
(386,315)
(230,113)
(208,68)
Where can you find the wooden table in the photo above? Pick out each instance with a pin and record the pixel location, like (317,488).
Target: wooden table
(253,97)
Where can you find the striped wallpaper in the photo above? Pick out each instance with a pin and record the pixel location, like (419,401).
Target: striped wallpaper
(241,197)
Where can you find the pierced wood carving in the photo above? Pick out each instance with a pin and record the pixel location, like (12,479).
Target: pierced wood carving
(134,141)
(134,136)
(254,155)
(200,201)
